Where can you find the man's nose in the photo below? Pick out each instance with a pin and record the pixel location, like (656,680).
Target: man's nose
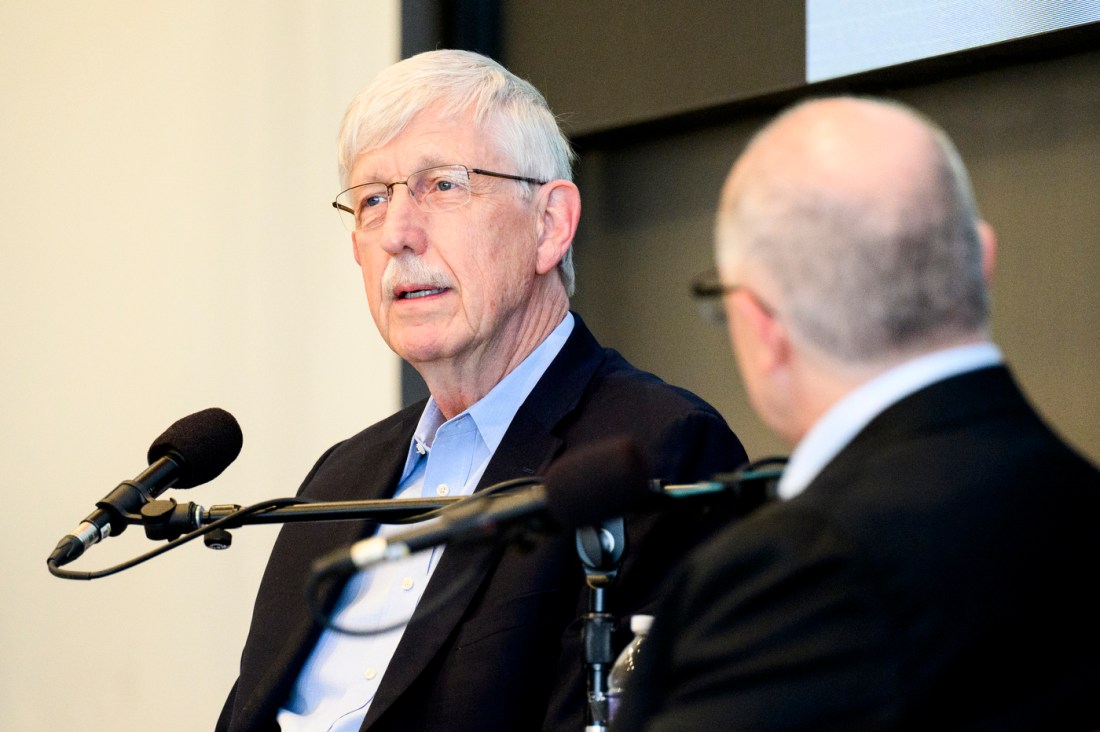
(403,226)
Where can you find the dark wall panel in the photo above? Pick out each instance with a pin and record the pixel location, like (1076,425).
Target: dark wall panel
(606,64)
(1030,134)
(660,97)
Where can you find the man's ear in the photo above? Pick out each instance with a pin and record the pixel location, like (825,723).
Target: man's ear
(559,210)
(767,331)
(988,239)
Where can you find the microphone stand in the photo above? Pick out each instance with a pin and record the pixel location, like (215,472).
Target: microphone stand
(601,551)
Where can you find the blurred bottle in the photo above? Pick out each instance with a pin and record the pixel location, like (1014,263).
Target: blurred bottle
(626,662)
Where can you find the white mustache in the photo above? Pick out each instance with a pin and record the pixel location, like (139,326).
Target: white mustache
(411,270)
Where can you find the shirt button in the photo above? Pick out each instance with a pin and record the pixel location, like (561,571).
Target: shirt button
(442,489)
(370,673)
(407,583)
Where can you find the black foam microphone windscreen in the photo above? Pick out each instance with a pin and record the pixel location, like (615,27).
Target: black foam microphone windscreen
(597,482)
(203,444)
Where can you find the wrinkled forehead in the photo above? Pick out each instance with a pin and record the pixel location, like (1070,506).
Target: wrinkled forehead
(373,121)
(431,138)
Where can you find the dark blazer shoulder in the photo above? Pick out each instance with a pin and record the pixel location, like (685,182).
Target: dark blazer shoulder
(365,465)
(682,436)
(946,541)
(343,466)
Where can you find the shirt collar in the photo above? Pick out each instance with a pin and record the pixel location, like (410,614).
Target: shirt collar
(845,419)
(493,413)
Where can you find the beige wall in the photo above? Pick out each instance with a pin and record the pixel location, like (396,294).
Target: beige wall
(165,173)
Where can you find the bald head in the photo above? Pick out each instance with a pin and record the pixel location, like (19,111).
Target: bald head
(854,148)
(857,218)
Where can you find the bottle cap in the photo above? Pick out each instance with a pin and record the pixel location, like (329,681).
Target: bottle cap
(641,623)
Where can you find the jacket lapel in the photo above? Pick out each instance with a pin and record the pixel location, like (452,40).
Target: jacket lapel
(294,625)
(528,446)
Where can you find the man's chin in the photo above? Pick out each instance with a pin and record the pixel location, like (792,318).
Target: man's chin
(420,345)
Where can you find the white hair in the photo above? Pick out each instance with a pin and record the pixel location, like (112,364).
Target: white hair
(509,107)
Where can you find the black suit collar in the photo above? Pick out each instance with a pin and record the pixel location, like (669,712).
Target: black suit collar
(366,480)
(960,398)
(965,399)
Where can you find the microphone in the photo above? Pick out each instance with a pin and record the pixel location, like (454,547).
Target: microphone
(585,487)
(194,450)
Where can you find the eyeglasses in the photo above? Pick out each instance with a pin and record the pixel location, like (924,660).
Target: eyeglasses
(708,290)
(433,189)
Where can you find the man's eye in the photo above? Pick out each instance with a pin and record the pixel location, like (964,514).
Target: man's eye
(371,201)
(445,185)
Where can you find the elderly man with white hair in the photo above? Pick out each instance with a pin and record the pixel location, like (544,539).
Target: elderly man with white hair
(459,199)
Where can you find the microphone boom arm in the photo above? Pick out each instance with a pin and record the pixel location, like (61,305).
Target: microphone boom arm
(167,519)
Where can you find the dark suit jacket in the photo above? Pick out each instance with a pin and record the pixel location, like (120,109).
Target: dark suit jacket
(504,653)
(939,574)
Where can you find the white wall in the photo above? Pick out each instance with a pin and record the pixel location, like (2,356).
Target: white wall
(167,246)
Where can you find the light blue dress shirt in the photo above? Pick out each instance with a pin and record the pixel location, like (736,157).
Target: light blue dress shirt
(844,420)
(446,458)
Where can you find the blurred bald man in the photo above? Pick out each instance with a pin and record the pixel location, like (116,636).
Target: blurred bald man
(933,559)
